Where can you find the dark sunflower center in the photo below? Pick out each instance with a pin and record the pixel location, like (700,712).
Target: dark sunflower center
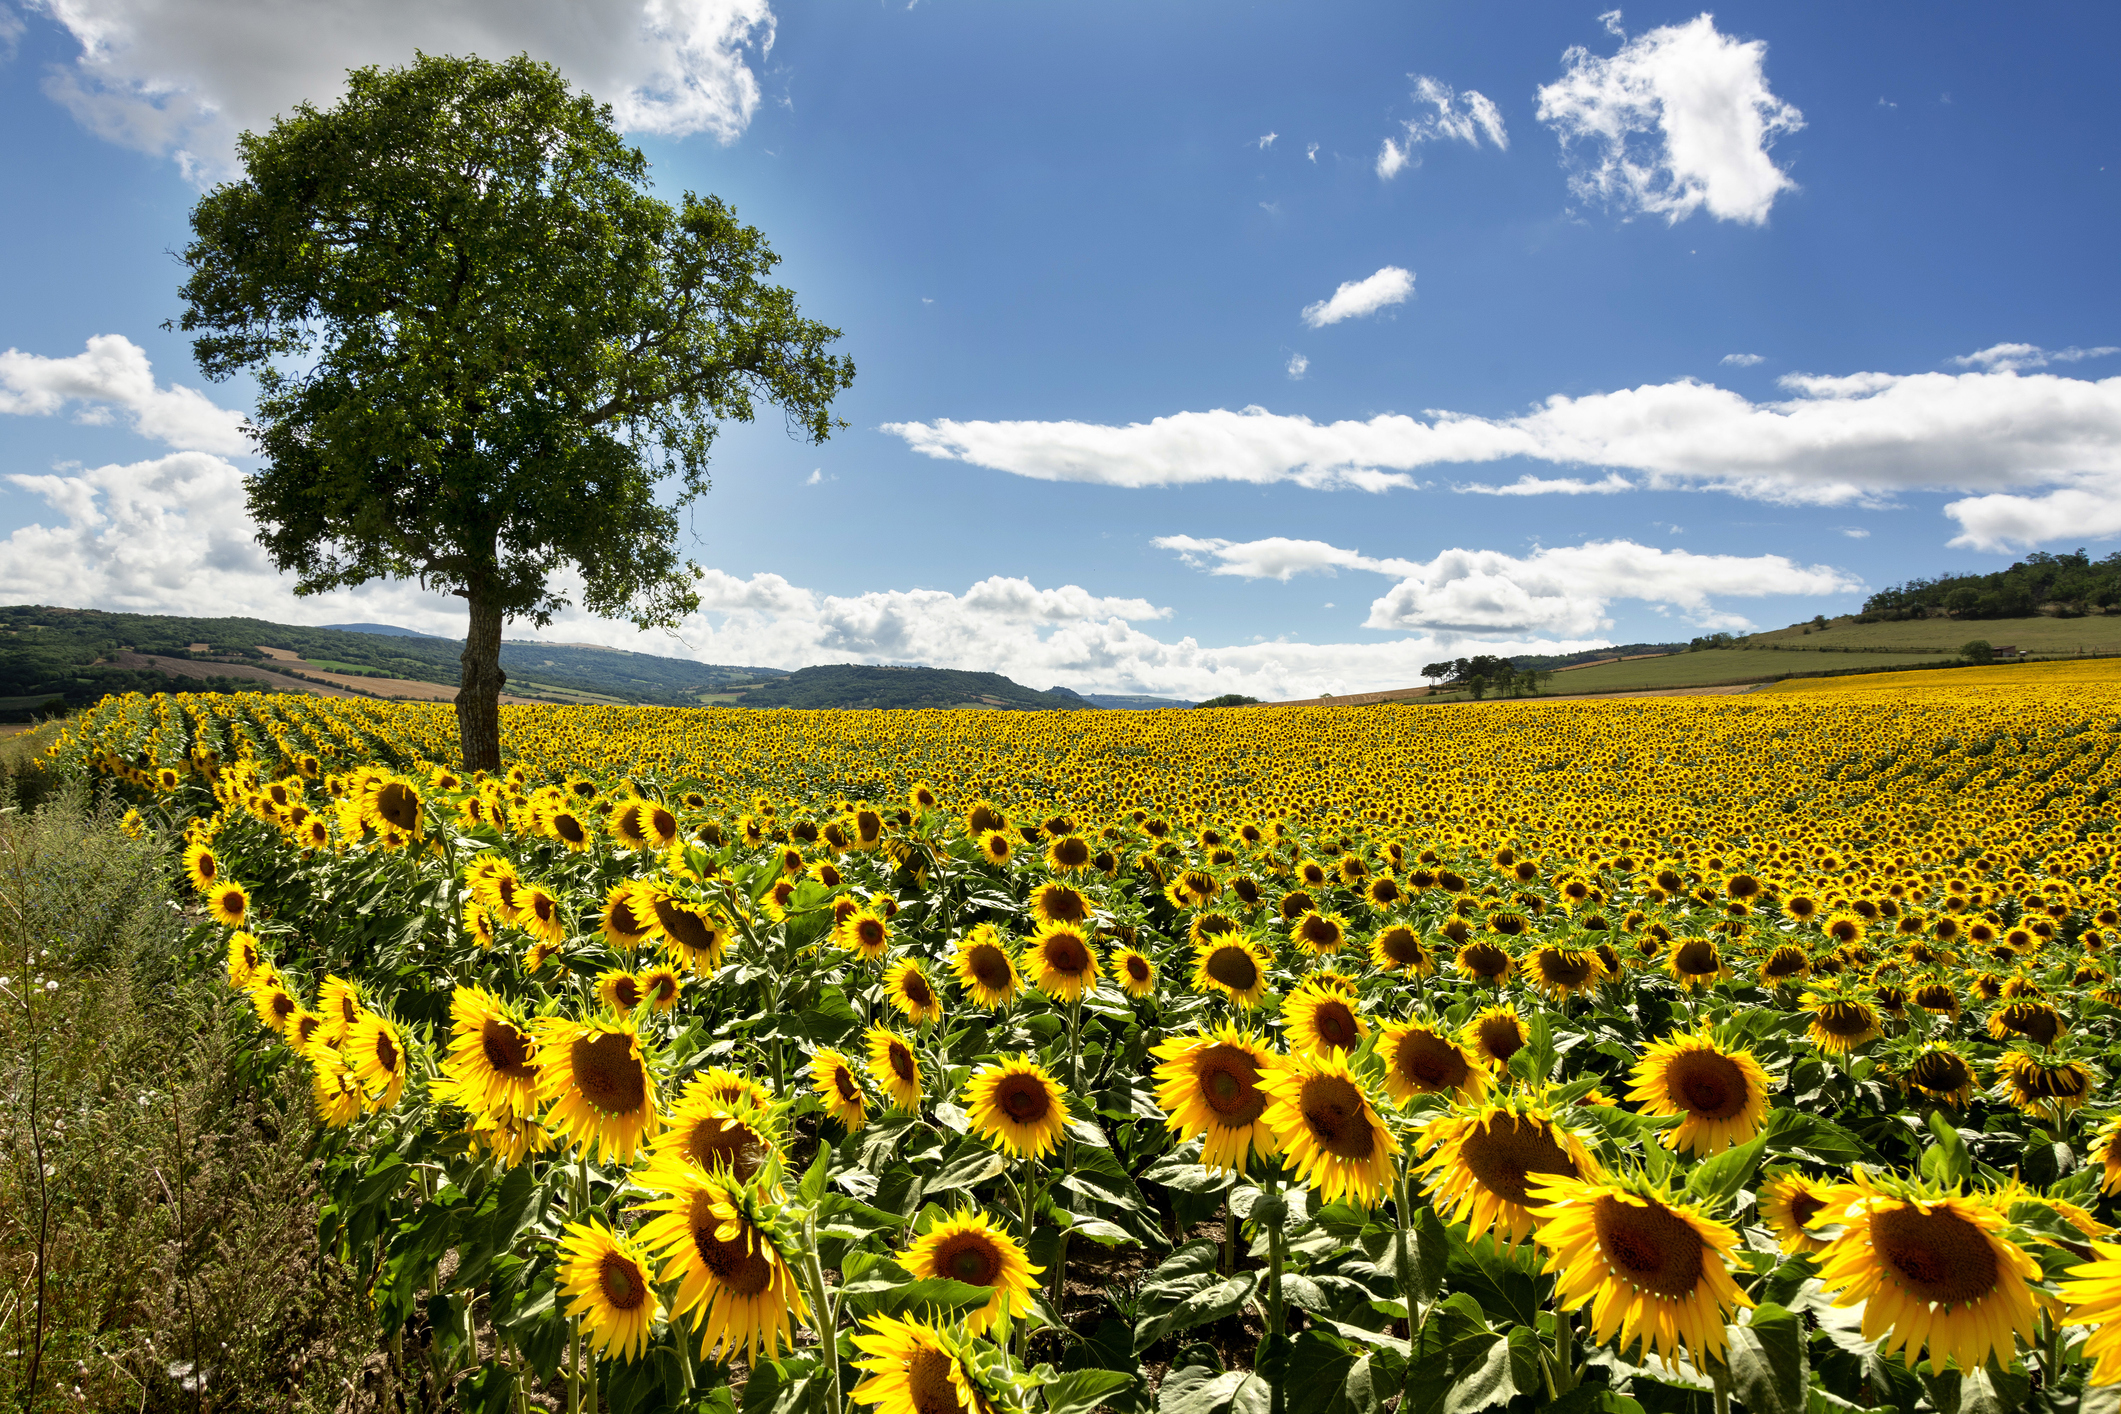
(928,1387)
(1428,1062)
(1696,957)
(972,1259)
(870,933)
(1844,1019)
(1229,1082)
(1485,959)
(1501,1037)
(397,804)
(625,1284)
(989,967)
(1709,1085)
(1566,967)
(1502,1152)
(1335,1025)
(914,987)
(1023,1099)
(1652,1247)
(902,1062)
(608,1074)
(626,991)
(1067,954)
(1784,962)
(662,824)
(843,1081)
(1939,1255)
(737,1264)
(1063,904)
(1804,1207)
(1939,1070)
(386,1052)
(686,928)
(1071,852)
(1333,1109)
(569,829)
(1320,932)
(1234,968)
(507,1049)
(716,1142)
(1401,946)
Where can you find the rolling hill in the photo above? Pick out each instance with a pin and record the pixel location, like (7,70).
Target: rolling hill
(850,685)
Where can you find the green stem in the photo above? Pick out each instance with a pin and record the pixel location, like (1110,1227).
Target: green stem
(1277,1240)
(824,1316)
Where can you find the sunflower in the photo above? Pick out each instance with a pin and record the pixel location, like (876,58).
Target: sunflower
(228,903)
(1061,961)
(201,866)
(1844,929)
(273,1002)
(985,969)
(1930,1269)
(244,959)
(1070,854)
(732,1269)
(1790,1201)
(907,986)
(607,1284)
(339,999)
(1696,963)
(1562,972)
(1055,902)
(895,1068)
(1841,1023)
(1322,1018)
(692,936)
(1940,1073)
(377,1053)
(1319,933)
(832,1077)
(1482,1156)
(2093,1290)
(1399,948)
(2043,1085)
(1653,1270)
(1485,963)
(1208,1085)
(1209,923)
(1786,965)
(2106,1145)
(715,1130)
(1495,1035)
(337,1090)
(1330,1133)
(1134,972)
(492,1057)
(916,1368)
(865,933)
(619,990)
(1720,1095)
(969,1248)
(1017,1105)
(626,918)
(538,914)
(597,1080)
(1420,1060)
(995,847)
(2027,1016)
(1232,966)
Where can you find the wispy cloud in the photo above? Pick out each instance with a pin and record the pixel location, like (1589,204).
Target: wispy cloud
(1742,360)
(1358,298)
(1457,117)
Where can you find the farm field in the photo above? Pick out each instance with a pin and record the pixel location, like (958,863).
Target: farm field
(2093,633)
(1650,1057)
(1707,666)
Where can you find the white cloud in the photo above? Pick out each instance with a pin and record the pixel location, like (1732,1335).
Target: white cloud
(1267,140)
(2009,358)
(1552,486)
(1311,152)
(1836,440)
(183,77)
(1680,119)
(1459,117)
(1357,298)
(1298,366)
(111,376)
(1562,592)
(1742,360)
(1855,532)
(1610,22)
(2088,510)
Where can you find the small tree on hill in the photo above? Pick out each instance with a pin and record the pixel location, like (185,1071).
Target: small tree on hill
(1978,650)
(480,345)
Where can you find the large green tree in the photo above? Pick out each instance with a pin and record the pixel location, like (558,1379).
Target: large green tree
(481,347)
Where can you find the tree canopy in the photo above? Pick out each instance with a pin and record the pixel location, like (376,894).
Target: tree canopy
(482,348)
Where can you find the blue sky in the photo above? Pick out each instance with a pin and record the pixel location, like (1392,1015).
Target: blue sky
(1807,293)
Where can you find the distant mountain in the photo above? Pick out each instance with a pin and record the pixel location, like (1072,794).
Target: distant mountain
(853,686)
(84,654)
(387,630)
(1120,701)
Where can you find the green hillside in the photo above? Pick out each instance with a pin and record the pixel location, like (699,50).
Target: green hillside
(72,653)
(2048,635)
(851,686)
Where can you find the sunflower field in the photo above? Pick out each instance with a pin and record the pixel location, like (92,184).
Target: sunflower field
(1654,1057)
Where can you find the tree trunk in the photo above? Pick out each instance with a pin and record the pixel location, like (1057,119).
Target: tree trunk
(479,693)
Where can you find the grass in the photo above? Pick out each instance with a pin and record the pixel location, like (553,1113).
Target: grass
(2052,673)
(158,1217)
(2096,634)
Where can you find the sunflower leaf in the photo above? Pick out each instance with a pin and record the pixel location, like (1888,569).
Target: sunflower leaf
(1716,1181)
(1210,1303)
(1195,1389)
(1979,1391)
(1769,1370)
(1327,1376)
(1080,1391)
(1946,1161)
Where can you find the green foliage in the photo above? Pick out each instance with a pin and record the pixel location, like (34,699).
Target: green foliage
(2075,583)
(1977,650)
(1230,699)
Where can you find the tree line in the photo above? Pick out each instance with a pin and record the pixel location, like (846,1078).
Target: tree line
(2073,584)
